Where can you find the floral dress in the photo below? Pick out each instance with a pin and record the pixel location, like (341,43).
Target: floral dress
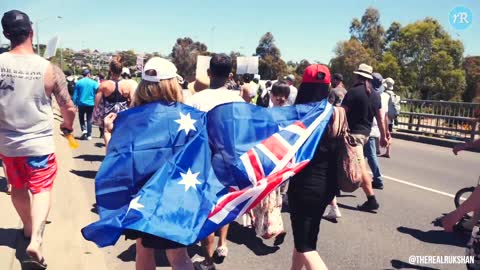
(267,216)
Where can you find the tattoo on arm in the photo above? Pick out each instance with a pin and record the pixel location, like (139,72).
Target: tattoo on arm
(60,89)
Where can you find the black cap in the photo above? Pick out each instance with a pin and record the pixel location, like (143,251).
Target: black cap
(15,22)
(338,77)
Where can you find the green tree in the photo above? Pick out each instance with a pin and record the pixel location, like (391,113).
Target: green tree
(271,68)
(266,46)
(129,58)
(301,66)
(348,56)
(393,33)
(270,65)
(471,65)
(369,31)
(430,62)
(184,56)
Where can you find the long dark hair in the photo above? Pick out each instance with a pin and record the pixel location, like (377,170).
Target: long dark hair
(366,82)
(312,92)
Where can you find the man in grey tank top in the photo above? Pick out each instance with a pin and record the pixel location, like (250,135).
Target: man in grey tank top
(27,82)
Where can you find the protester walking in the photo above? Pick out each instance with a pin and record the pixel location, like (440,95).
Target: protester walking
(314,187)
(26,134)
(393,110)
(113,95)
(293,90)
(338,91)
(336,96)
(267,216)
(84,98)
(370,149)
(362,104)
(159,83)
(217,94)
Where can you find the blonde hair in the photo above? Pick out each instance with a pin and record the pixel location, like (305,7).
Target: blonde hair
(165,90)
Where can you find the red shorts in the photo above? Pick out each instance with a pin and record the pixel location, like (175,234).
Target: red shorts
(35,173)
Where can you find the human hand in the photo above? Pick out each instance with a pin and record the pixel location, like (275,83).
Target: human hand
(66,127)
(384,141)
(108,122)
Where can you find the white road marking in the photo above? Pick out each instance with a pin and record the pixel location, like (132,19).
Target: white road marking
(418,186)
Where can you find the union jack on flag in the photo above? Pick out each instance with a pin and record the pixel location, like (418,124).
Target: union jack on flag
(213,167)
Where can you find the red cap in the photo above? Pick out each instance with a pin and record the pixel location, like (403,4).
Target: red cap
(316,73)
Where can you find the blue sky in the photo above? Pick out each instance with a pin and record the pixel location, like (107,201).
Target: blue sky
(306,29)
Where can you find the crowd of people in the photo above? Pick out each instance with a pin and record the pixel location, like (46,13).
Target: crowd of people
(26,145)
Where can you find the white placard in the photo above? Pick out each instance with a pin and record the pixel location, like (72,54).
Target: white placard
(51,49)
(248,64)
(203,64)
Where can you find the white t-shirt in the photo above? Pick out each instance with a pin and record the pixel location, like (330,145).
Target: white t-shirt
(209,98)
(385,99)
(293,95)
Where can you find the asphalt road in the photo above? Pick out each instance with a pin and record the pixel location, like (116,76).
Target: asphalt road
(359,240)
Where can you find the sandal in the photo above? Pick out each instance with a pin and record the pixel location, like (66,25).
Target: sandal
(279,239)
(33,264)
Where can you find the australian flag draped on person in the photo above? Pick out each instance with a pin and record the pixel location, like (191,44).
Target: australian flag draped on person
(181,174)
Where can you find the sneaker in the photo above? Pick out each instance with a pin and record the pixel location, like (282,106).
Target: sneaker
(89,138)
(369,206)
(376,185)
(202,266)
(220,254)
(333,213)
(84,132)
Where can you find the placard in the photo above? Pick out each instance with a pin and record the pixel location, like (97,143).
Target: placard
(203,64)
(247,64)
(51,49)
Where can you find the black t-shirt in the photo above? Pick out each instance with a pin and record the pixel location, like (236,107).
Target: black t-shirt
(362,108)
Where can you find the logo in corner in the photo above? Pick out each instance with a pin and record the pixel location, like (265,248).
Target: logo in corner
(460,18)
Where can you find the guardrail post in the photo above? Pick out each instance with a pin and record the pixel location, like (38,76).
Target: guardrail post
(474,130)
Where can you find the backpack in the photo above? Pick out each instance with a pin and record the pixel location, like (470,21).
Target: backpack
(393,105)
(71,86)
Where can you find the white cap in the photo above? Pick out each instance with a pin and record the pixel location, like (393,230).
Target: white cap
(165,70)
(389,82)
(256,76)
(125,70)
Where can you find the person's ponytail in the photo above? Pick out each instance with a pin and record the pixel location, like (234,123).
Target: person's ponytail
(116,65)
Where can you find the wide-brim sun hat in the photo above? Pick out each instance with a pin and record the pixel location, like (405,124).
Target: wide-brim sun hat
(365,71)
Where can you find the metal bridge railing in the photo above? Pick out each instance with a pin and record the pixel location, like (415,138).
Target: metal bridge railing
(451,120)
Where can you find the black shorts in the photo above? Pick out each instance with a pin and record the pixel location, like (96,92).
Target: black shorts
(306,224)
(152,241)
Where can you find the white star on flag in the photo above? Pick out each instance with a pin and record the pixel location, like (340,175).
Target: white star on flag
(280,128)
(134,204)
(186,123)
(190,180)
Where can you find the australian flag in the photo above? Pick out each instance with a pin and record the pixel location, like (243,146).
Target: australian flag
(178,173)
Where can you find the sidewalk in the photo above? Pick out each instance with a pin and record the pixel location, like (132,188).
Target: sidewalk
(64,246)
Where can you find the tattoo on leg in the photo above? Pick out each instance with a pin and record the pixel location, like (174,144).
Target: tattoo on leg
(40,231)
